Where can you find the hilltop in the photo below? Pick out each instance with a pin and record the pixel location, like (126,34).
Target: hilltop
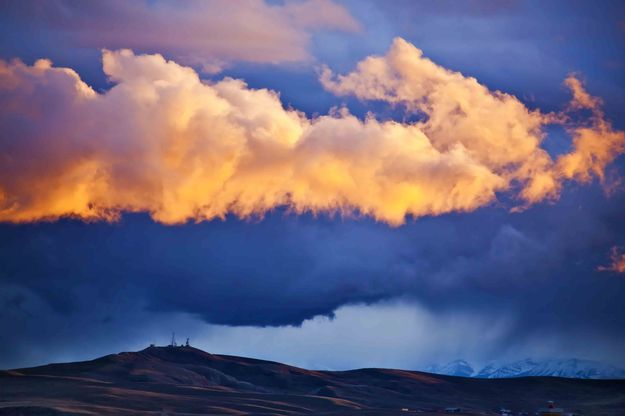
(189,381)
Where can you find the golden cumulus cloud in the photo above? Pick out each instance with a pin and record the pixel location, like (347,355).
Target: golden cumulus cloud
(163,141)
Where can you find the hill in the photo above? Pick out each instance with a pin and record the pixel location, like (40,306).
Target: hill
(188,381)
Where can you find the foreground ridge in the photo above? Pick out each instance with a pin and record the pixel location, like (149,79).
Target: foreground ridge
(186,380)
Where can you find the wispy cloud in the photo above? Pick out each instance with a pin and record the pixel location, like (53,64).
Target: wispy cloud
(617,261)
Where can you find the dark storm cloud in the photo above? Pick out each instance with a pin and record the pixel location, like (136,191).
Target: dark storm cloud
(538,267)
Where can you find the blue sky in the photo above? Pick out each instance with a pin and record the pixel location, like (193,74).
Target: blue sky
(326,290)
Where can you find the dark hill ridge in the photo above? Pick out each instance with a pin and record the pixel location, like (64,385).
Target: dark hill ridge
(188,381)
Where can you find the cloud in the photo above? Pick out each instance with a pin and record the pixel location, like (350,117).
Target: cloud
(617,264)
(163,141)
(210,33)
(495,129)
(595,142)
(78,287)
(406,335)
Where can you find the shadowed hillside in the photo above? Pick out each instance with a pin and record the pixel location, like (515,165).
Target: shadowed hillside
(188,381)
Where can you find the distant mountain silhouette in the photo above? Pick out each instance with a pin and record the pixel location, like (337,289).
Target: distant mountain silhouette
(188,381)
(459,368)
(570,368)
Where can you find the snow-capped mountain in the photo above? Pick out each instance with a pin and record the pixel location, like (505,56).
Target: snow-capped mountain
(459,368)
(569,368)
(514,369)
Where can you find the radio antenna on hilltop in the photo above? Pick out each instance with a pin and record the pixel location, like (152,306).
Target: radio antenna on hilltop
(173,339)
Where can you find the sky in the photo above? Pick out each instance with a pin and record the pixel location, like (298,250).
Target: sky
(332,184)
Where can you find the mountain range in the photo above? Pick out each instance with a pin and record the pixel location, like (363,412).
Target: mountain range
(188,381)
(568,368)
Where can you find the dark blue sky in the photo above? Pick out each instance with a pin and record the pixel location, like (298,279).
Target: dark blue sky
(483,285)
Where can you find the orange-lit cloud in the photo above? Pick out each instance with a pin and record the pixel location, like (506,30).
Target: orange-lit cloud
(617,264)
(165,142)
(595,142)
(495,128)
